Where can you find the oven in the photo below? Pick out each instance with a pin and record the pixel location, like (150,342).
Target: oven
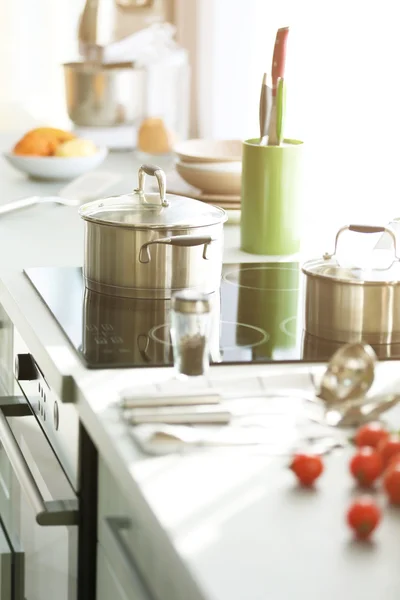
(46,551)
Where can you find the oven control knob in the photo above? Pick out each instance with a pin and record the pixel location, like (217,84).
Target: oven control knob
(25,368)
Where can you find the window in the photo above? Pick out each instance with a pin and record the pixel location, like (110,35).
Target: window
(343,94)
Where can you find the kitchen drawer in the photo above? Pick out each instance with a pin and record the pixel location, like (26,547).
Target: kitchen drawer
(142,543)
(115,581)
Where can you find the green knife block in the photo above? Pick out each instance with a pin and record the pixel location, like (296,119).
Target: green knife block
(271,198)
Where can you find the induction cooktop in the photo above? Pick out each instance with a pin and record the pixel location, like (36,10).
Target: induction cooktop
(258,319)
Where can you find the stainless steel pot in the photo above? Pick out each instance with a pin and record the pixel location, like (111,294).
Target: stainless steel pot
(316,349)
(104,95)
(128,325)
(352,304)
(147,245)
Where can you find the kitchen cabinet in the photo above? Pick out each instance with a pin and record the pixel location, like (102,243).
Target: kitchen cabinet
(5,567)
(115,582)
(118,575)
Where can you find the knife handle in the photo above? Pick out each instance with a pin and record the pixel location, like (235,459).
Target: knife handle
(279,57)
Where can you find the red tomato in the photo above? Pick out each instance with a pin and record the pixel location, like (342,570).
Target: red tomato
(370,435)
(391,483)
(388,448)
(363,517)
(366,466)
(395,460)
(307,467)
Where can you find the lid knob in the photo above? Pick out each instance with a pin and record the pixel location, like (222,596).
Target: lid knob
(159,174)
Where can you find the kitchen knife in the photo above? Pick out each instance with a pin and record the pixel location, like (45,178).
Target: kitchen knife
(265,108)
(280,109)
(278,71)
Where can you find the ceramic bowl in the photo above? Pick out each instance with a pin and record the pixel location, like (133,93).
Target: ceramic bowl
(55,167)
(209,151)
(213,178)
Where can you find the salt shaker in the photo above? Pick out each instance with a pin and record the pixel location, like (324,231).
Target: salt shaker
(190,331)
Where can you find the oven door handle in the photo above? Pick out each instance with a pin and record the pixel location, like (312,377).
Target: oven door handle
(53,513)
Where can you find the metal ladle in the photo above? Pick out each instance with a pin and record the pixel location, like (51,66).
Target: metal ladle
(354,416)
(349,374)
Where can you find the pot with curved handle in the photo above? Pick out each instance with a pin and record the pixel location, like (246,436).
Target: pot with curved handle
(185,237)
(351,304)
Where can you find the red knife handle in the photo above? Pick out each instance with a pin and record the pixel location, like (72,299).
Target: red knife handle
(279,57)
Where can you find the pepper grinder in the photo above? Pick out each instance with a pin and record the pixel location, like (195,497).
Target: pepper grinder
(190,332)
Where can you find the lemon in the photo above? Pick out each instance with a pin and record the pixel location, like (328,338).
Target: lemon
(76,147)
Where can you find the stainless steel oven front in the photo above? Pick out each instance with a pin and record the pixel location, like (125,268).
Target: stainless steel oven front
(39,507)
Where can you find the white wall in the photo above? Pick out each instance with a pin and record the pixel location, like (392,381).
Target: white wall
(36,36)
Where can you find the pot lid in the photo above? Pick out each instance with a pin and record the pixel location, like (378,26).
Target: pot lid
(331,269)
(328,267)
(155,210)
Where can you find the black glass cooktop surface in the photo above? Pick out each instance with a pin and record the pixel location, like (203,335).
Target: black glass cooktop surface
(259,319)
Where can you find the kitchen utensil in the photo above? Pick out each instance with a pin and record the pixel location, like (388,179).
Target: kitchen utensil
(280,110)
(174,415)
(33,200)
(347,304)
(190,332)
(56,167)
(209,151)
(163,243)
(84,188)
(354,416)
(105,95)
(278,71)
(164,400)
(271,197)
(265,108)
(212,178)
(162,439)
(349,374)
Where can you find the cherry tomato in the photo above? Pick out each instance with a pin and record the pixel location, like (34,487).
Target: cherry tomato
(388,448)
(307,467)
(391,483)
(395,460)
(370,435)
(366,466)
(363,517)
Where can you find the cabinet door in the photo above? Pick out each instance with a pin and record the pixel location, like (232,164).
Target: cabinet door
(6,565)
(114,582)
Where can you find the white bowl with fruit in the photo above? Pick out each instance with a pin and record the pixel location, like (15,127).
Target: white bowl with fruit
(54,154)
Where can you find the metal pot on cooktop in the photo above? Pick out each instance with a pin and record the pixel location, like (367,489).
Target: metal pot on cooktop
(316,349)
(132,331)
(347,304)
(148,245)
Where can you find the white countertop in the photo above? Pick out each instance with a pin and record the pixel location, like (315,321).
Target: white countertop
(237,521)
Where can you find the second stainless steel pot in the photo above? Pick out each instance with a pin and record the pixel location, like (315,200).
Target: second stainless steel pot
(352,304)
(149,245)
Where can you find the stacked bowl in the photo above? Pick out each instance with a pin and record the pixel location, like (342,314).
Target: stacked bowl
(212,169)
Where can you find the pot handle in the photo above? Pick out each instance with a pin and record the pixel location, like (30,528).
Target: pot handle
(364,229)
(177,240)
(159,174)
